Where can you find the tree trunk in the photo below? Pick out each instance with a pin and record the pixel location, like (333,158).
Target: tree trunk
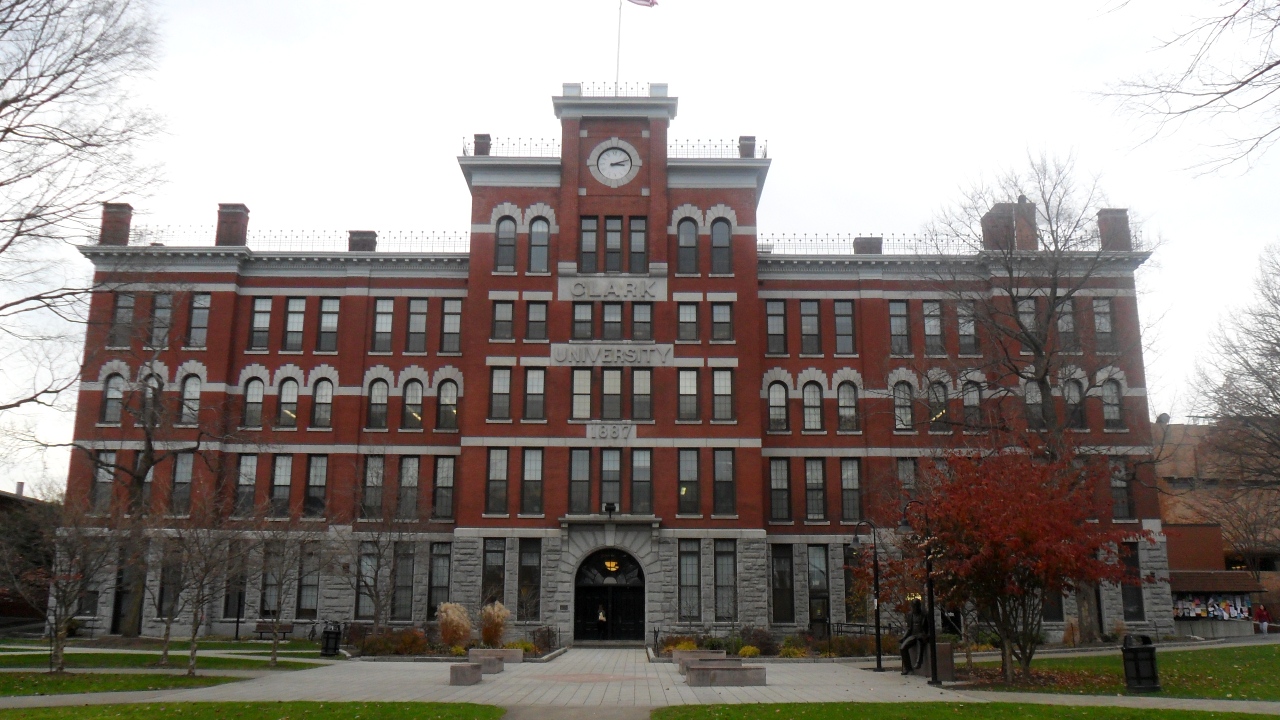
(1006,660)
(275,641)
(195,632)
(168,630)
(1087,613)
(59,661)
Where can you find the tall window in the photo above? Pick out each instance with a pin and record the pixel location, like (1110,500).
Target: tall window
(287,417)
(253,392)
(493,571)
(639,262)
(503,320)
(776,327)
(531,482)
(967,328)
(104,475)
(442,503)
(906,471)
(536,322)
(844,328)
(903,418)
(810,328)
(611,321)
(641,321)
(270,600)
(1073,398)
(611,478)
(246,482)
(411,408)
(236,578)
(504,257)
(583,327)
(581,408)
(383,315)
(451,327)
(722,394)
(721,249)
(366,577)
(317,480)
(847,407)
(281,481)
(723,491)
(495,490)
(500,393)
(1027,321)
(295,314)
(113,399)
(641,394)
(722,321)
(939,415)
(378,391)
(850,490)
(579,481)
(688,390)
(198,323)
(819,585)
(161,320)
(260,328)
(780,489)
(407,493)
(687,248)
(535,388)
(120,334)
(402,581)
(815,489)
(687,492)
(539,241)
(1067,339)
(972,395)
(1035,405)
(170,582)
(782,583)
(322,404)
(1103,337)
(1121,490)
(190,400)
(152,401)
(687,321)
(613,244)
(641,481)
(587,248)
(415,340)
(447,405)
(933,328)
(375,467)
(812,398)
(180,494)
(1112,406)
(778,406)
(327,335)
(726,576)
(529,587)
(611,394)
(690,573)
(899,328)
(1131,590)
(438,584)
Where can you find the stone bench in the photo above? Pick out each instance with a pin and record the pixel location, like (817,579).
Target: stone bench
(714,662)
(490,665)
(679,657)
(510,655)
(709,675)
(465,674)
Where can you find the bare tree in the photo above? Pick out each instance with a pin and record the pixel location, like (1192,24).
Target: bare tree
(287,553)
(371,557)
(1249,515)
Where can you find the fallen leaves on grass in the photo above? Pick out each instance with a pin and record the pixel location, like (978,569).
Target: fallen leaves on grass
(1085,682)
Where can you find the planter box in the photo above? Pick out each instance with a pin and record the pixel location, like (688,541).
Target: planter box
(1207,628)
(680,656)
(465,674)
(491,665)
(717,662)
(511,655)
(708,675)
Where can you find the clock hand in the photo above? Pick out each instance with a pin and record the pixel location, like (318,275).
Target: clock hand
(620,162)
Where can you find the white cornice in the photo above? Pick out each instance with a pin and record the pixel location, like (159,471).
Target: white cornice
(614,107)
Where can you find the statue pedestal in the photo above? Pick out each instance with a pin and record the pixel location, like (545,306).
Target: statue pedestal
(946,663)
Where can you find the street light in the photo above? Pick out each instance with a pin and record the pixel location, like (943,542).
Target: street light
(875,580)
(905,527)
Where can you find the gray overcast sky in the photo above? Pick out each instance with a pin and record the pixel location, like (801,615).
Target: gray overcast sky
(338,115)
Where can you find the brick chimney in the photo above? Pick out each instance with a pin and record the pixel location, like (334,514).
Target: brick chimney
(1010,224)
(116,218)
(233,224)
(362,240)
(1113,230)
(482,143)
(868,246)
(1024,231)
(747,146)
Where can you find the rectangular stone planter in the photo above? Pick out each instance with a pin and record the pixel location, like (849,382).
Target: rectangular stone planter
(716,662)
(707,675)
(680,656)
(491,665)
(465,674)
(511,655)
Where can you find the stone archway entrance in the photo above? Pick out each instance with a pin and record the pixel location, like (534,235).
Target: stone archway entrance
(609,581)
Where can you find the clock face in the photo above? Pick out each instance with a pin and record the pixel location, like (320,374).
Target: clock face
(614,163)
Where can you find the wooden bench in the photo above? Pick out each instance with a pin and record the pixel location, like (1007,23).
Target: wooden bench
(264,628)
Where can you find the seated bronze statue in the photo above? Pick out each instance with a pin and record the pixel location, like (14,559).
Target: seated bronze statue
(917,636)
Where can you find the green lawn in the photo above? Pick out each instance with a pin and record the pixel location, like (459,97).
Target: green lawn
(140,660)
(270,711)
(117,643)
(923,711)
(67,683)
(1237,673)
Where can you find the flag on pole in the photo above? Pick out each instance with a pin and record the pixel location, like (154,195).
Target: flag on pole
(645,3)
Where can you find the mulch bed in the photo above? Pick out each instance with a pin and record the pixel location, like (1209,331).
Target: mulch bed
(1057,681)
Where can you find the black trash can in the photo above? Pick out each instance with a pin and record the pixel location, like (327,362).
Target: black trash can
(330,639)
(1140,673)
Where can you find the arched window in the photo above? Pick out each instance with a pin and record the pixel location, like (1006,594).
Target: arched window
(812,406)
(972,396)
(847,397)
(1035,406)
(411,414)
(447,406)
(253,403)
(190,400)
(939,420)
(687,250)
(504,258)
(113,399)
(287,416)
(322,404)
(377,404)
(152,400)
(1112,409)
(1073,397)
(539,239)
(721,248)
(777,406)
(902,415)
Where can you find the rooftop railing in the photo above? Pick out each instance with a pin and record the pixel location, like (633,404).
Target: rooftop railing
(713,149)
(835,244)
(517,147)
(301,241)
(620,89)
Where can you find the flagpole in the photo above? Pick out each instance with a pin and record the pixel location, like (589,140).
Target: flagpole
(617,63)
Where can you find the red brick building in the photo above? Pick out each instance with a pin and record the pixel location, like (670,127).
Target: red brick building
(619,401)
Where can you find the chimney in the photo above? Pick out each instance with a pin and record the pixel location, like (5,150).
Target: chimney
(657,89)
(571,89)
(233,224)
(868,246)
(116,218)
(1113,230)
(21,487)
(362,241)
(1024,231)
(747,146)
(482,143)
(1010,225)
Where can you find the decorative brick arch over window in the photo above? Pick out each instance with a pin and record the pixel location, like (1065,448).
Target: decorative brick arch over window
(448,372)
(114,367)
(290,372)
(499,211)
(1109,372)
(189,368)
(321,372)
(812,375)
(847,375)
(539,210)
(720,212)
(938,375)
(379,372)
(157,368)
(691,212)
(902,374)
(252,371)
(773,375)
(413,372)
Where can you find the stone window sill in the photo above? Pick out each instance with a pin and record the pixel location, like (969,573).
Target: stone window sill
(290,352)
(410,430)
(817,522)
(446,430)
(536,341)
(502,340)
(688,517)
(380,353)
(844,355)
(777,432)
(688,422)
(813,432)
(376,430)
(449,354)
(504,273)
(332,352)
(319,429)
(782,522)
(724,517)
(905,432)
(688,342)
(848,432)
(686,275)
(538,516)
(777,355)
(108,425)
(805,355)
(497,421)
(537,274)
(724,422)
(533,422)
(257,352)
(1115,430)
(193,349)
(415,354)
(496,516)
(724,342)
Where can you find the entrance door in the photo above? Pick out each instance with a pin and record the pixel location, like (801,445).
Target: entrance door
(609,583)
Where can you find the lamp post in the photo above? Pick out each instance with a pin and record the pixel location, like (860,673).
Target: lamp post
(875,583)
(928,584)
